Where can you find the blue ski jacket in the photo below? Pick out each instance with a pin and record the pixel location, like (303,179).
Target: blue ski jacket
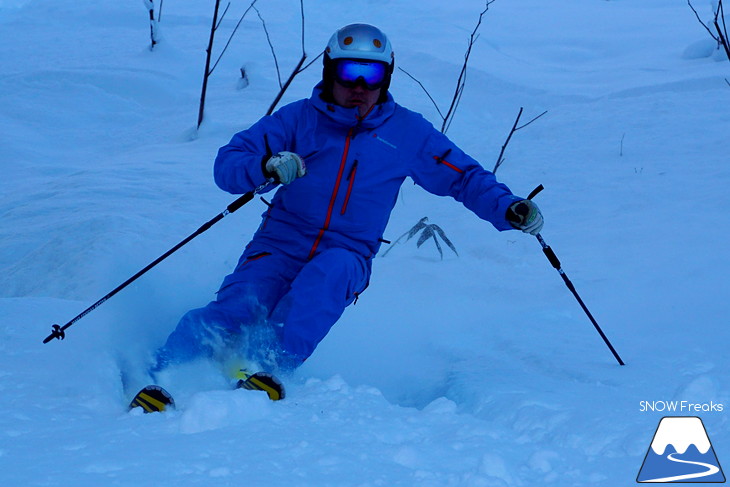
(355,168)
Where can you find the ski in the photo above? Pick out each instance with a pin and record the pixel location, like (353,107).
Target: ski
(154,398)
(261,381)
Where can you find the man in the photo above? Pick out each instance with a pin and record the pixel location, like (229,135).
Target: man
(339,158)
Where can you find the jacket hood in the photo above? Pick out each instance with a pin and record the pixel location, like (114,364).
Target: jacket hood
(349,117)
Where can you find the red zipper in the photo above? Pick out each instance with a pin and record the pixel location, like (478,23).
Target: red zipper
(334,195)
(351,179)
(256,257)
(442,160)
(446,163)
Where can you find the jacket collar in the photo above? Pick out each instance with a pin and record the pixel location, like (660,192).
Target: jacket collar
(349,117)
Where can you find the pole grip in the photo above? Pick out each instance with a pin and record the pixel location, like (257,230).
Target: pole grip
(535,191)
(240,202)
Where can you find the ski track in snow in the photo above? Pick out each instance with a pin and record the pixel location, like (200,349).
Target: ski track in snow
(478,370)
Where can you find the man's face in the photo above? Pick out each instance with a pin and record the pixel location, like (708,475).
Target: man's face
(359,97)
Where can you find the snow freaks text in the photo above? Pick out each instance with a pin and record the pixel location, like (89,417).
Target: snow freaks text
(680,407)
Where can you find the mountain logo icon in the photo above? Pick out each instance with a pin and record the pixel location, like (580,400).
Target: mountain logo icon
(680,452)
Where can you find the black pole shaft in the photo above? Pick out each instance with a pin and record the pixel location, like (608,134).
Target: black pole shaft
(556,264)
(59,331)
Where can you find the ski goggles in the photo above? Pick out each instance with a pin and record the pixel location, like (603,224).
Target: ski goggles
(351,72)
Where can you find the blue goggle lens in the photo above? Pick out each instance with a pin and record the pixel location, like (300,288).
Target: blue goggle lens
(370,73)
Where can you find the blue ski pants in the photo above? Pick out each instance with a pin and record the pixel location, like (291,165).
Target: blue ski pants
(272,308)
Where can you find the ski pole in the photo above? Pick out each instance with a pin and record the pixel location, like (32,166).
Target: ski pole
(548,251)
(59,332)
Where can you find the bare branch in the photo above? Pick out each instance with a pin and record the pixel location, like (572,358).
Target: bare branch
(500,159)
(223,16)
(150,6)
(271,46)
(206,73)
(621,146)
(722,32)
(720,13)
(311,62)
(528,123)
(461,80)
(720,27)
(458,100)
(301,9)
(209,51)
(298,69)
(515,128)
(304,53)
(286,85)
(232,34)
(723,40)
(700,20)
(425,91)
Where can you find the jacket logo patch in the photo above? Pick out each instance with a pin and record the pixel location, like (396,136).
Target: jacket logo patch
(377,137)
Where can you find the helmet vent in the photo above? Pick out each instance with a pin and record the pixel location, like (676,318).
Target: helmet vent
(377,43)
(348,40)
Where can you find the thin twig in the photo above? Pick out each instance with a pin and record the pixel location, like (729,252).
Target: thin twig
(298,69)
(232,34)
(206,72)
(722,32)
(424,90)
(460,81)
(700,20)
(528,123)
(500,159)
(223,15)
(621,149)
(723,40)
(311,62)
(301,9)
(286,85)
(515,128)
(150,6)
(458,100)
(271,46)
(721,14)
(722,37)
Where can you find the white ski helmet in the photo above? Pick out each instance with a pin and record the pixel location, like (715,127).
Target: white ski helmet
(357,41)
(360,41)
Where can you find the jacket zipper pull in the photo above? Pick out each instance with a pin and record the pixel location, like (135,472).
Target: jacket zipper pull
(352,170)
(351,179)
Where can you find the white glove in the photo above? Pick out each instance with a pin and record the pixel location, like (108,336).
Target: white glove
(526,216)
(286,166)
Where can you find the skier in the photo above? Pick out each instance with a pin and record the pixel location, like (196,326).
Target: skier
(339,158)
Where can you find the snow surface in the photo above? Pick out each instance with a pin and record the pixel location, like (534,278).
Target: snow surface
(477,370)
